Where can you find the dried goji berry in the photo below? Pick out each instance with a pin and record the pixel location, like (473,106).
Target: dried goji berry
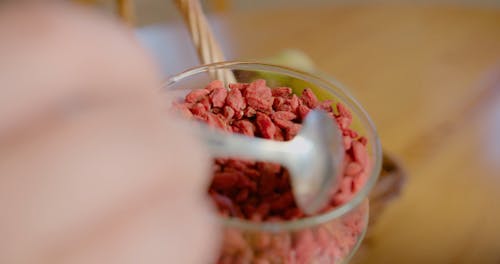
(282,202)
(353,169)
(283,107)
(281,91)
(237,164)
(205,101)
(343,122)
(215,84)
(359,152)
(326,105)
(238,114)
(347,142)
(284,124)
(235,100)
(263,209)
(363,140)
(224,180)
(218,96)
(245,127)
(294,103)
(303,111)
(250,112)
(199,110)
(343,111)
(278,136)
(217,120)
(253,174)
(242,196)
(265,125)
(292,131)
(268,167)
(196,95)
(284,115)
(309,98)
(259,96)
(278,102)
(240,86)
(228,113)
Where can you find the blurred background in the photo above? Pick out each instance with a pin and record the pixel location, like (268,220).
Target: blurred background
(160,11)
(428,73)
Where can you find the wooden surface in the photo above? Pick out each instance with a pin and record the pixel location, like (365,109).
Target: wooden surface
(430,78)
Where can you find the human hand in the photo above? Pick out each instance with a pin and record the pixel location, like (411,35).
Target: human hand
(92,169)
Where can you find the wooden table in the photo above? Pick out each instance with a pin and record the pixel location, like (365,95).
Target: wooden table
(430,78)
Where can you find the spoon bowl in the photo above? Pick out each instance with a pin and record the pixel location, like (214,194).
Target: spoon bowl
(313,157)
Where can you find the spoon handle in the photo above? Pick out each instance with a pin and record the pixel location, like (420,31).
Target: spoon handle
(222,144)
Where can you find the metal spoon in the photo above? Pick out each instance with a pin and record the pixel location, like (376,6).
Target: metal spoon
(313,157)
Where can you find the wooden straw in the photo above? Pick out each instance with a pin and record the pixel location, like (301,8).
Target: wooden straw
(208,48)
(126,11)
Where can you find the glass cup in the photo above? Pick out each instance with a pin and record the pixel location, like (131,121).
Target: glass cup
(328,237)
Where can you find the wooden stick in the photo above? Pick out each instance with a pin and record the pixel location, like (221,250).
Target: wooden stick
(203,38)
(126,11)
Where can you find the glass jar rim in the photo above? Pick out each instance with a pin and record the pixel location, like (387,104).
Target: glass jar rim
(332,86)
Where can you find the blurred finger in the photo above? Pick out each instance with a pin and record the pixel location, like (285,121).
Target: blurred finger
(88,156)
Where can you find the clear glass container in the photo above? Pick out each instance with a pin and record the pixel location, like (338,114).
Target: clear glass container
(329,237)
